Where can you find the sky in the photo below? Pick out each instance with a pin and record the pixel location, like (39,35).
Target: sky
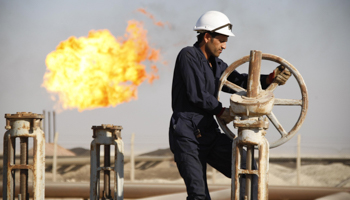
(311,35)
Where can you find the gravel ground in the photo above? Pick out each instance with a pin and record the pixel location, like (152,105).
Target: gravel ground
(327,175)
(312,174)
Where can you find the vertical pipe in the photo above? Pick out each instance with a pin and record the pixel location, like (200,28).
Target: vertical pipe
(213,175)
(235,168)
(39,165)
(98,173)
(49,125)
(249,161)
(54,123)
(263,170)
(132,159)
(107,163)
(119,170)
(23,128)
(4,170)
(43,122)
(298,161)
(54,165)
(8,173)
(254,73)
(94,174)
(24,172)
(11,173)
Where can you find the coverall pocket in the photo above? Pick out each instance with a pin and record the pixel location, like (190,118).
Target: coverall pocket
(183,126)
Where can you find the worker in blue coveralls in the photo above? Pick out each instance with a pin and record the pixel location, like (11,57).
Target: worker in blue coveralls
(194,136)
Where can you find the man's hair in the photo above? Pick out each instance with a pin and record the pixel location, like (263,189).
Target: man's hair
(200,36)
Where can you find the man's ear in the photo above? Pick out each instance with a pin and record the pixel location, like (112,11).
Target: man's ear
(207,37)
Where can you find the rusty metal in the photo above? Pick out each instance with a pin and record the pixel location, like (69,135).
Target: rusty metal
(83,160)
(303,102)
(24,125)
(107,174)
(249,107)
(254,74)
(49,128)
(155,190)
(249,138)
(24,172)
(107,135)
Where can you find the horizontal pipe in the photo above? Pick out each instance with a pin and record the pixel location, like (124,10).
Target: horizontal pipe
(218,192)
(131,190)
(84,160)
(275,193)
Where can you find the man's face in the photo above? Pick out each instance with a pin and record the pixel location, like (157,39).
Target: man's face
(216,45)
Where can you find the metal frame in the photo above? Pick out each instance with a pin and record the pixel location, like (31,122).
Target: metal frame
(24,125)
(249,106)
(107,135)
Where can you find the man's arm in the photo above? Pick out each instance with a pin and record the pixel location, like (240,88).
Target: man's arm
(194,81)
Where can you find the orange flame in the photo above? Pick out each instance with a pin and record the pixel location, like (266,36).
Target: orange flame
(99,70)
(158,23)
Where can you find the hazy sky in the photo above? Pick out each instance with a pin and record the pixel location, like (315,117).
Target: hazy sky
(312,35)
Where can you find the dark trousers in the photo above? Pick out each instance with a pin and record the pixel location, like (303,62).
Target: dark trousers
(192,157)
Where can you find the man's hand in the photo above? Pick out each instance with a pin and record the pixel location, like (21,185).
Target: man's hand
(280,75)
(225,116)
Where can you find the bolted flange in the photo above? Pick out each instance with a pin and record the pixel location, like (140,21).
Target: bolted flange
(33,117)
(115,130)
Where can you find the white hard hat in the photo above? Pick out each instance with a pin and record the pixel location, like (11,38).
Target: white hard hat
(214,21)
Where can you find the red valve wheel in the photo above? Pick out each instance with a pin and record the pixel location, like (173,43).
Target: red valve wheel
(285,136)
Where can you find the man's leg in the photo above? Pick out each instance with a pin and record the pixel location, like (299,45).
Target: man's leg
(191,171)
(190,167)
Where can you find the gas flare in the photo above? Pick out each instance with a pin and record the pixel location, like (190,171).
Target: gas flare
(100,70)
(158,23)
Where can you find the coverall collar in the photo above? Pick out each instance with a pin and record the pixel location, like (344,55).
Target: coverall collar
(203,58)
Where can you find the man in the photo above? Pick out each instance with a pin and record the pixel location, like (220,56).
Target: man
(194,136)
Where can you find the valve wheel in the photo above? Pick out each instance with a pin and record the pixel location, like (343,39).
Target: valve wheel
(285,136)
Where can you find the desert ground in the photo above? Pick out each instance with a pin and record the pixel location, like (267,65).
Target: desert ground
(281,173)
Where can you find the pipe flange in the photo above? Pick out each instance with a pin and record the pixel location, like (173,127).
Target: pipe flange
(35,119)
(116,130)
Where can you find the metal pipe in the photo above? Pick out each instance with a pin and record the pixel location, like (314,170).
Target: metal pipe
(54,122)
(107,135)
(83,160)
(24,125)
(254,74)
(131,190)
(132,158)
(54,165)
(94,173)
(213,176)
(11,174)
(24,172)
(49,125)
(298,161)
(263,171)
(43,121)
(249,161)
(107,174)
(144,190)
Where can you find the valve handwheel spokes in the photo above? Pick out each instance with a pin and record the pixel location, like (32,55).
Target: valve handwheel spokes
(303,102)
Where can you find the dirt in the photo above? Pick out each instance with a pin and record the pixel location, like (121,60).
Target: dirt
(327,175)
(336,174)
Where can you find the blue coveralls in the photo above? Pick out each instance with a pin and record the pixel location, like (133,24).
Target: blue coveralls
(194,136)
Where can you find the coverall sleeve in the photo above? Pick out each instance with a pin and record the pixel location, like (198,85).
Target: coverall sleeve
(194,80)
